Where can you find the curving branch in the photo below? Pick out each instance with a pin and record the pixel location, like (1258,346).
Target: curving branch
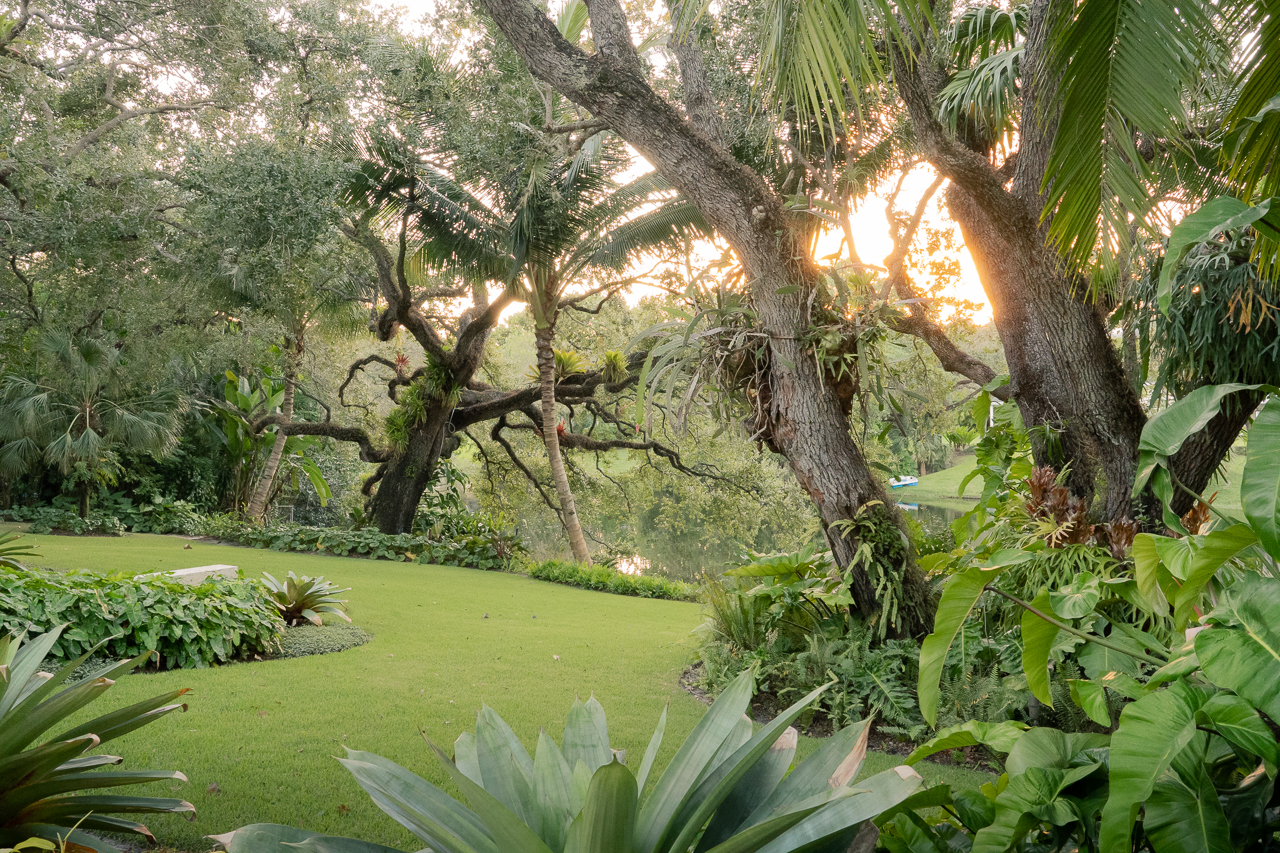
(355,435)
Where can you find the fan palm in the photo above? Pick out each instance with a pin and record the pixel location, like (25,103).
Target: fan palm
(81,412)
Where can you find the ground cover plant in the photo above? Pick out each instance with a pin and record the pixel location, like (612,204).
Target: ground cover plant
(728,789)
(259,747)
(42,787)
(186,626)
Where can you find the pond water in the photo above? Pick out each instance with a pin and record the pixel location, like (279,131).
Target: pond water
(685,562)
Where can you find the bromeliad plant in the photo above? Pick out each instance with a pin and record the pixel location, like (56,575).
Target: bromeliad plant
(303,598)
(38,784)
(1192,640)
(725,791)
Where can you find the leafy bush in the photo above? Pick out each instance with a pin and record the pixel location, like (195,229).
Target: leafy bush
(604,578)
(157,515)
(726,789)
(493,552)
(308,639)
(39,785)
(1191,763)
(305,598)
(46,519)
(188,626)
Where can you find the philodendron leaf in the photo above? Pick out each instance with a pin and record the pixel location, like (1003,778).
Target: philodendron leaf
(1091,697)
(1183,814)
(1210,552)
(999,737)
(1238,722)
(1243,654)
(1038,636)
(1152,731)
(958,599)
(1260,486)
(1077,599)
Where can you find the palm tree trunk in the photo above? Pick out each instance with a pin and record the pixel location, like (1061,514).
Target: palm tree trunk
(550,436)
(258,503)
(84,498)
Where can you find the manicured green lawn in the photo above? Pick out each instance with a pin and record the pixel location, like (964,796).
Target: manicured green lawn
(258,740)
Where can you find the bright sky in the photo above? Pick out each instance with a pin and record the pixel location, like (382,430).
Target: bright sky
(870,225)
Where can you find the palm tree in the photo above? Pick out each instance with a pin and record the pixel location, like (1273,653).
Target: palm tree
(82,413)
(550,224)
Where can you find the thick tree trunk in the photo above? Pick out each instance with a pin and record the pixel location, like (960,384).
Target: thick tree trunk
(551,438)
(405,477)
(802,415)
(258,503)
(1065,372)
(1195,464)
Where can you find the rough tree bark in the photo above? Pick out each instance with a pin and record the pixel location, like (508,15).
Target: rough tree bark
(258,503)
(1064,371)
(803,417)
(543,337)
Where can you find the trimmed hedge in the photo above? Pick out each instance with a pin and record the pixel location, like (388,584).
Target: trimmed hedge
(608,579)
(304,640)
(189,626)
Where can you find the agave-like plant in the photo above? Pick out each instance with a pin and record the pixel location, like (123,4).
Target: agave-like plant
(304,598)
(10,552)
(727,790)
(38,784)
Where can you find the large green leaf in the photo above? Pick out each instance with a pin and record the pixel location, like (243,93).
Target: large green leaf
(1183,815)
(751,791)
(882,791)
(999,736)
(1245,658)
(274,838)
(609,816)
(1200,226)
(1038,637)
(553,791)
(1260,486)
(1030,797)
(1165,433)
(420,807)
(582,740)
(959,596)
(1208,554)
(506,771)
(834,765)
(1077,599)
(1091,697)
(691,760)
(1238,722)
(1049,748)
(511,834)
(716,786)
(1152,731)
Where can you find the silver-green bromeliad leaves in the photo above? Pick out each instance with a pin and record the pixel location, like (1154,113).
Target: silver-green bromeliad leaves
(579,797)
(39,783)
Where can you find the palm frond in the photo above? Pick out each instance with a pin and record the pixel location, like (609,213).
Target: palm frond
(985,30)
(988,94)
(1125,65)
(667,226)
(1253,142)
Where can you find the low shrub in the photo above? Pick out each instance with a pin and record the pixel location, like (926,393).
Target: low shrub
(305,598)
(492,552)
(46,519)
(604,578)
(188,626)
(320,640)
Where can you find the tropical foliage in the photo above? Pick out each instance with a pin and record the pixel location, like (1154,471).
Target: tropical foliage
(726,789)
(307,599)
(42,788)
(179,626)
